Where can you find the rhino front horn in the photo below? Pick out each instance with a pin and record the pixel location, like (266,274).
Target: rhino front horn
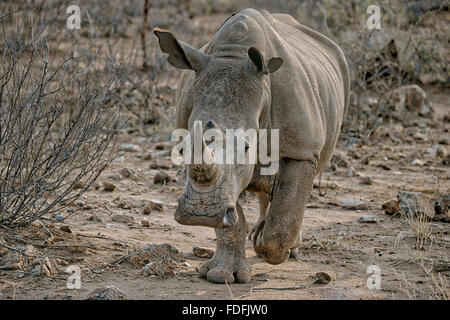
(230,218)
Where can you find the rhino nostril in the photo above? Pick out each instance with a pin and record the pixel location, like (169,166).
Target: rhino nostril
(230,218)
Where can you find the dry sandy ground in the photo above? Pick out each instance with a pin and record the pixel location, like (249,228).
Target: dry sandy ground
(334,241)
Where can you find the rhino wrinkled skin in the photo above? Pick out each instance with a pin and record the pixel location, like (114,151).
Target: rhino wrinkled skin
(259,71)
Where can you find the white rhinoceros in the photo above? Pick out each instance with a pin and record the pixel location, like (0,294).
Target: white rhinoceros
(259,71)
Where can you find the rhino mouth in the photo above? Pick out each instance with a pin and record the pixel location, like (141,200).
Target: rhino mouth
(208,209)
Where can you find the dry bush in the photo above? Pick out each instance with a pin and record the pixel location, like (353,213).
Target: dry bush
(58,117)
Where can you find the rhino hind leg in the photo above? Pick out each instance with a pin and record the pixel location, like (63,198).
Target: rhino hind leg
(275,237)
(229,264)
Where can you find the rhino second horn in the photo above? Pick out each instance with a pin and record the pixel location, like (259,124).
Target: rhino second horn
(230,218)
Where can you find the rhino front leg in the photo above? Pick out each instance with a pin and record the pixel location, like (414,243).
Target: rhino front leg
(228,263)
(264,202)
(275,238)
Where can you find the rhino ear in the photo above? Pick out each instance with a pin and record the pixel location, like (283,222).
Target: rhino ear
(180,54)
(260,63)
(258,59)
(274,64)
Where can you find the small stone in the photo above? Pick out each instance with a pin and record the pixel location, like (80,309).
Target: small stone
(156,205)
(94,217)
(425,111)
(441,208)
(202,252)
(122,218)
(147,209)
(126,173)
(322,278)
(36,270)
(417,162)
(415,203)
(444,139)
(119,159)
(161,177)
(391,207)
(65,229)
(368,219)
(354,204)
(148,156)
(431,151)
(108,293)
(59,217)
(185,264)
(80,203)
(162,146)
(409,97)
(108,186)
(129,147)
(145,223)
(78,185)
(366,180)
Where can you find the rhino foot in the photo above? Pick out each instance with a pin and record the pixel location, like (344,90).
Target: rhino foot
(226,268)
(228,264)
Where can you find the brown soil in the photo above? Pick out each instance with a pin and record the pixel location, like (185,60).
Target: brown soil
(334,242)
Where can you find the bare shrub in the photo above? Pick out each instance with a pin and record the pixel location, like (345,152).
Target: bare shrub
(58,119)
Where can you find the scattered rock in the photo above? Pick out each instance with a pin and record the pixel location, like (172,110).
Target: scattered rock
(415,203)
(321,278)
(441,208)
(163,146)
(65,229)
(126,173)
(59,217)
(147,209)
(145,223)
(368,219)
(108,186)
(94,217)
(351,204)
(366,180)
(119,159)
(161,177)
(409,97)
(417,162)
(202,252)
(78,185)
(122,218)
(391,207)
(185,264)
(442,153)
(108,293)
(80,203)
(426,111)
(444,139)
(129,147)
(156,205)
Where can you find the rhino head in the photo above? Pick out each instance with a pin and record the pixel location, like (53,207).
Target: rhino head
(230,91)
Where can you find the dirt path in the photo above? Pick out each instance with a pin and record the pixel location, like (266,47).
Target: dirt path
(334,241)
